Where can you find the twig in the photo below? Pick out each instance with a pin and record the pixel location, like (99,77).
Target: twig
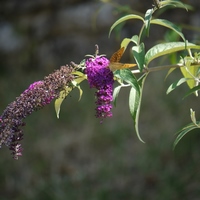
(158,68)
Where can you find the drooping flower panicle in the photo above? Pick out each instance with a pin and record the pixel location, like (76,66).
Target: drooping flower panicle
(101,77)
(32,99)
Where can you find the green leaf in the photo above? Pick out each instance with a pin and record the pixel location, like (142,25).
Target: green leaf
(116,93)
(176,4)
(169,25)
(176,84)
(167,48)
(125,42)
(60,99)
(135,98)
(134,104)
(183,132)
(125,18)
(80,77)
(190,72)
(192,91)
(127,76)
(193,117)
(147,20)
(139,55)
(80,92)
(169,72)
(135,39)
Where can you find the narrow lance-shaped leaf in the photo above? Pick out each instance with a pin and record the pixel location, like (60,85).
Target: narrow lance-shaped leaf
(135,39)
(75,83)
(167,48)
(116,93)
(134,104)
(192,91)
(139,55)
(191,72)
(193,117)
(176,4)
(195,124)
(169,72)
(176,84)
(64,93)
(169,25)
(59,100)
(125,42)
(125,18)
(183,132)
(135,98)
(127,76)
(147,20)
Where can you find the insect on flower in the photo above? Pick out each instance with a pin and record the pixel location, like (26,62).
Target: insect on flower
(115,58)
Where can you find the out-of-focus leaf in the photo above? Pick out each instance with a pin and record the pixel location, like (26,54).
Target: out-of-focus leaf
(192,91)
(125,42)
(169,72)
(147,20)
(115,94)
(193,117)
(139,55)
(64,93)
(167,48)
(184,131)
(190,72)
(80,76)
(127,76)
(125,18)
(135,39)
(59,100)
(169,25)
(176,84)
(135,98)
(176,4)
(135,95)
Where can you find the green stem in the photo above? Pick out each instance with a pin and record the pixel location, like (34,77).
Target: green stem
(158,68)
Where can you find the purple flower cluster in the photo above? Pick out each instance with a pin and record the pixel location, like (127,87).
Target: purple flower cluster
(101,77)
(32,99)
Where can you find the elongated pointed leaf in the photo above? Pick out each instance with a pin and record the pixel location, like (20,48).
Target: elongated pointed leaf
(135,98)
(176,84)
(190,72)
(134,104)
(59,100)
(183,132)
(127,76)
(192,91)
(139,55)
(176,4)
(170,25)
(193,117)
(115,94)
(167,48)
(169,72)
(123,19)
(125,42)
(147,19)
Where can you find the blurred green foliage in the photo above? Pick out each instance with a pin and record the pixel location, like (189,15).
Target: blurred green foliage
(78,158)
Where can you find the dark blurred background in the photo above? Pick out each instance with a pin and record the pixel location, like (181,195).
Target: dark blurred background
(76,157)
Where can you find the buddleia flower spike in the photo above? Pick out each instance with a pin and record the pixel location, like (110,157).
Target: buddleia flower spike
(100,77)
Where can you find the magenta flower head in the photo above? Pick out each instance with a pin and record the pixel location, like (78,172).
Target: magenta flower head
(101,77)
